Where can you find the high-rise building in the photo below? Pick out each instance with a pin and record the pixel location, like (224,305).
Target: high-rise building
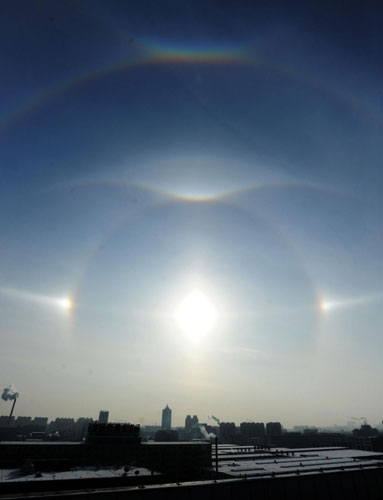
(40,421)
(23,421)
(80,428)
(273,429)
(166,418)
(103,417)
(63,426)
(252,429)
(6,421)
(227,432)
(191,422)
(194,420)
(188,423)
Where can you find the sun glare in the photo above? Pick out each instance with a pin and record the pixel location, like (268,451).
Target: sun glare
(196,315)
(325,306)
(329,305)
(66,304)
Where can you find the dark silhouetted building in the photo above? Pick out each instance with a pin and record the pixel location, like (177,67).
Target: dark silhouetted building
(227,432)
(192,429)
(365,431)
(166,436)
(113,433)
(252,429)
(188,423)
(103,417)
(63,427)
(40,422)
(80,428)
(273,429)
(166,423)
(6,420)
(23,421)
(310,430)
(110,443)
(319,439)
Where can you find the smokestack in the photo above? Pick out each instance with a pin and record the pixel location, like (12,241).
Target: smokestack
(216,419)
(10,415)
(9,393)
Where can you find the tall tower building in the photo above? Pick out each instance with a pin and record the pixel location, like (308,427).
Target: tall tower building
(103,417)
(194,420)
(188,423)
(166,418)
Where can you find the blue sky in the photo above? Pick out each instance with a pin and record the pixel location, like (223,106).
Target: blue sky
(152,150)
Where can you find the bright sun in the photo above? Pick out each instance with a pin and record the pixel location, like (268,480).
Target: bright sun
(65,304)
(196,315)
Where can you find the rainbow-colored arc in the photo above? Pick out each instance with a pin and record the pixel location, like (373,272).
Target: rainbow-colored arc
(160,54)
(149,57)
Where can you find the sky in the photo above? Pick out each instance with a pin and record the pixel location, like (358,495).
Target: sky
(191,199)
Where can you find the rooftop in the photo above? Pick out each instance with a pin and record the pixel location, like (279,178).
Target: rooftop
(234,462)
(176,443)
(41,442)
(15,475)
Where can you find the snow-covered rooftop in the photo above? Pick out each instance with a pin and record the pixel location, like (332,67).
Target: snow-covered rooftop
(15,475)
(302,461)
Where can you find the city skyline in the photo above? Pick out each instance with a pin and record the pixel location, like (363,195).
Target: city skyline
(187,421)
(192,204)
